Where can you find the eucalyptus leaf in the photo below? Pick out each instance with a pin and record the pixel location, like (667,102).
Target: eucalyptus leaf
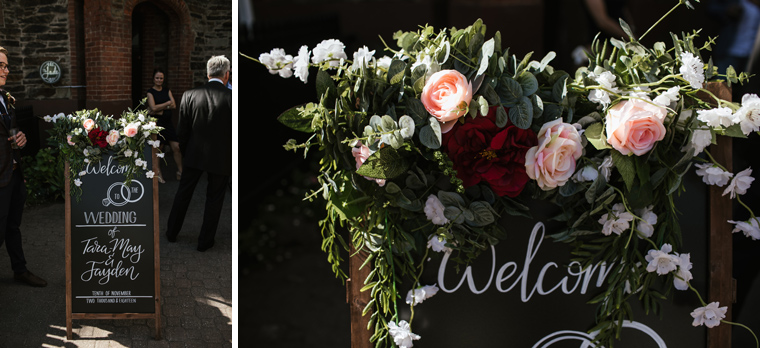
(482,215)
(450,199)
(489,93)
(559,89)
(395,139)
(430,134)
(414,182)
(387,124)
(392,188)
(375,121)
(486,52)
(396,71)
(528,82)
(454,214)
(501,117)
(476,42)
(483,104)
(509,91)
(416,110)
(521,114)
(547,59)
(406,124)
(552,112)
(538,106)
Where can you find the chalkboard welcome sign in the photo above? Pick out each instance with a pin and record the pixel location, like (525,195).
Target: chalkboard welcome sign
(112,251)
(526,293)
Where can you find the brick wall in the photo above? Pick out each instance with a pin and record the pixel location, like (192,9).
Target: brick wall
(92,42)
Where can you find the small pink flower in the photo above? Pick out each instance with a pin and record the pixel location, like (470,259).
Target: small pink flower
(633,126)
(68,140)
(113,137)
(446,96)
(88,124)
(131,129)
(552,162)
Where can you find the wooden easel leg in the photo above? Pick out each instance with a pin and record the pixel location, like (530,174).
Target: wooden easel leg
(357,300)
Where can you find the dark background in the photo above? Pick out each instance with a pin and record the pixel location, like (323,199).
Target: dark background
(289,296)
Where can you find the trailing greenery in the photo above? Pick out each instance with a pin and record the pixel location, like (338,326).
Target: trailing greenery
(406,170)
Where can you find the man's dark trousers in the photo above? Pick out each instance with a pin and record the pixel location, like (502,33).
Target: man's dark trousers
(215,191)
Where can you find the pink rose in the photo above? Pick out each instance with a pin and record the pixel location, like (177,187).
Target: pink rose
(633,126)
(131,129)
(552,162)
(361,154)
(113,137)
(446,96)
(88,124)
(68,140)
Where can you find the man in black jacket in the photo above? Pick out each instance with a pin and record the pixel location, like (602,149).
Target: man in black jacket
(205,137)
(12,188)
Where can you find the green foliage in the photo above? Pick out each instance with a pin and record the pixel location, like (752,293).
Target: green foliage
(43,176)
(372,115)
(127,136)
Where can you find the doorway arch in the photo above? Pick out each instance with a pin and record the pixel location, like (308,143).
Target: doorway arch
(160,39)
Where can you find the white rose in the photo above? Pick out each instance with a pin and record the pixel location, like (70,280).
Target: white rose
(434,211)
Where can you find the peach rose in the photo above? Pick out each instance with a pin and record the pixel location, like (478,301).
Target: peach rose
(88,124)
(113,137)
(552,162)
(633,126)
(131,129)
(446,96)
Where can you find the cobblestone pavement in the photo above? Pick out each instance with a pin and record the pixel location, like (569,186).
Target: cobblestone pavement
(196,286)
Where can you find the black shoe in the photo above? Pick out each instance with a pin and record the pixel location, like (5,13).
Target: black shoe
(170,238)
(205,246)
(30,279)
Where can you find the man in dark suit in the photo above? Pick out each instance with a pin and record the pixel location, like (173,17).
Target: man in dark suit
(12,188)
(205,137)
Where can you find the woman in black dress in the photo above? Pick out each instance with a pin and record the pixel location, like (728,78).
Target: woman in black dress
(160,105)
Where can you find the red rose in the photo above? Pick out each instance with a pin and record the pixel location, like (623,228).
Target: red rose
(481,151)
(98,137)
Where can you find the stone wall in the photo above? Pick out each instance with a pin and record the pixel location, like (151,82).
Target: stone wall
(92,39)
(212,27)
(34,31)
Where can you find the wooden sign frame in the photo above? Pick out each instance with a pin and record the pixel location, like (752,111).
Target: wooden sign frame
(721,284)
(70,316)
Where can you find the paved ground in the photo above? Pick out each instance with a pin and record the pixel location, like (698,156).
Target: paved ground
(196,286)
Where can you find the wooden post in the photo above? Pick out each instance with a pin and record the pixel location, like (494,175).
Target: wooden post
(720,244)
(357,300)
(67,192)
(156,245)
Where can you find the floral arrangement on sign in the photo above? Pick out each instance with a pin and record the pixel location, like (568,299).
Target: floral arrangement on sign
(87,135)
(424,150)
